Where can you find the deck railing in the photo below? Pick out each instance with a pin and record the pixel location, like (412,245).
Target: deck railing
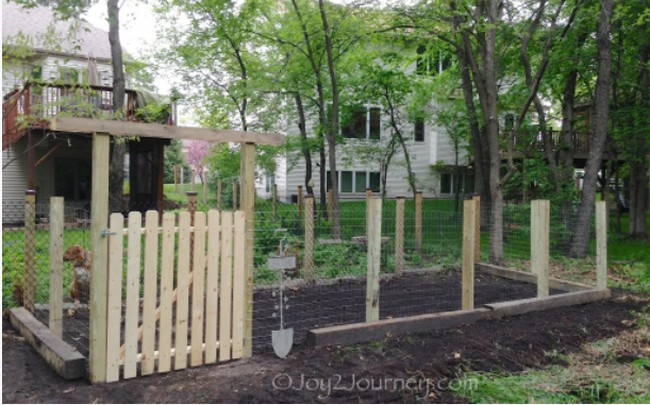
(36,102)
(527,141)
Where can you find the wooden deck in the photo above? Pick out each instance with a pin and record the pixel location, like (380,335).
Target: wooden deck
(36,103)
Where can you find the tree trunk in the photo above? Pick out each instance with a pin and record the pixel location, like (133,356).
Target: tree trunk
(580,241)
(303,143)
(639,163)
(333,128)
(116,168)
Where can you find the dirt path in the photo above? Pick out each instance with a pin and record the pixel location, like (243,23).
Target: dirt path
(393,370)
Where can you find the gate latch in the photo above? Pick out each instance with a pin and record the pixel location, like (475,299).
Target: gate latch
(104,233)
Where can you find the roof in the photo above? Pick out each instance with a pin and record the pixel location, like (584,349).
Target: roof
(35,22)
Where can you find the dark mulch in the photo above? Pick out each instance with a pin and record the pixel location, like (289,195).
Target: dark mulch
(509,344)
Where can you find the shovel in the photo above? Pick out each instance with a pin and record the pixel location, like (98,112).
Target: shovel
(282,339)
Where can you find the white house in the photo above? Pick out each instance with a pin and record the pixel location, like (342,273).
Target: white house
(430,148)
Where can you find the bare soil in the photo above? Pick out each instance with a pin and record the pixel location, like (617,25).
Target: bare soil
(508,344)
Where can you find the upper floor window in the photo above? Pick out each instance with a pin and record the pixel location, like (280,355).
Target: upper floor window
(69,75)
(431,61)
(418,130)
(363,123)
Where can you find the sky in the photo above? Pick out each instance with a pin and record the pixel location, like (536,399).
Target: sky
(137,31)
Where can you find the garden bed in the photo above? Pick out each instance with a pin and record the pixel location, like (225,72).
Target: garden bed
(342,301)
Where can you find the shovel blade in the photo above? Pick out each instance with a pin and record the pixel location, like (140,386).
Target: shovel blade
(282,342)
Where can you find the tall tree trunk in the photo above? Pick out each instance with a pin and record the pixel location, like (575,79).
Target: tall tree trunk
(303,143)
(333,128)
(639,162)
(116,168)
(580,241)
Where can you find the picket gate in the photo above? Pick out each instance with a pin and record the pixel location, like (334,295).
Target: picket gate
(176,292)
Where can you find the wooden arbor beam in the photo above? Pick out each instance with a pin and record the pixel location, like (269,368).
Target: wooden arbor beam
(123,128)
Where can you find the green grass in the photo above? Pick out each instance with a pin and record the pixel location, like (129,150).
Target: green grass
(595,374)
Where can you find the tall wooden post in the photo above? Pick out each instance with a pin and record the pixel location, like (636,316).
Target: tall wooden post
(418,221)
(399,235)
(29,271)
(469,217)
(219,194)
(56,266)
(368,202)
(309,238)
(601,245)
(374,261)
(182,179)
(300,202)
(330,204)
(274,201)
(539,244)
(477,229)
(99,280)
(247,174)
(176,178)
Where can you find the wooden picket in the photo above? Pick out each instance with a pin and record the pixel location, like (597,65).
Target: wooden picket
(207,300)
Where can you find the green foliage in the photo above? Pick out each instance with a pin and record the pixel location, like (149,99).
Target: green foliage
(174,155)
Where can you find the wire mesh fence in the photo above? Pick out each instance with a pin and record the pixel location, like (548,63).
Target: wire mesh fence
(27,265)
(326,282)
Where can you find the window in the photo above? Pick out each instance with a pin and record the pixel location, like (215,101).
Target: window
(70,75)
(431,61)
(359,182)
(446,183)
(375,181)
(37,73)
(355,127)
(419,130)
(346,182)
(375,123)
(270,179)
(363,123)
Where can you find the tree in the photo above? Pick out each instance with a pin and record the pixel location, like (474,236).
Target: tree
(197,152)
(174,156)
(579,243)
(74,8)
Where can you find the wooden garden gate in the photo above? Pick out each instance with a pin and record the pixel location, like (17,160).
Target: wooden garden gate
(191,299)
(106,348)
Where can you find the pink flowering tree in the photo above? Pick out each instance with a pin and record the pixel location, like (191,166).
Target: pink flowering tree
(197,151)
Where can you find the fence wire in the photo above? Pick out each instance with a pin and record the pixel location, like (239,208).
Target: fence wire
(423,277)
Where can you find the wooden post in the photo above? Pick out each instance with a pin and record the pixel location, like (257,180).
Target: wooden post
(309,238)
(99,279)
(601,245)
(469,217)
(539,244)
(399,235)
(330,204)
(191,204)
(374,261)
(205,187)
(234,195)
(29,271)
(182,180)
(175,178)
(300,202)
(56,266)
(274,198)
(477,229)
(247,174)
(418,221)
(219,194)
(368,202)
